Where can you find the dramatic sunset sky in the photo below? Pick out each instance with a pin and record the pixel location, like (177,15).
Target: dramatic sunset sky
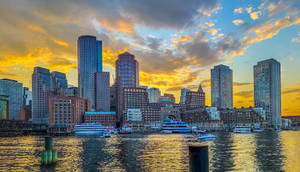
(176,42)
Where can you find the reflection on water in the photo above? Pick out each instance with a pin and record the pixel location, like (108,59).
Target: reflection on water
(267,151)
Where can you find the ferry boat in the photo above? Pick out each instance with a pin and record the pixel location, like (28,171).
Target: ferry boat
(170,126)
(257,130)
(89,129)
(206,137)
(242,130)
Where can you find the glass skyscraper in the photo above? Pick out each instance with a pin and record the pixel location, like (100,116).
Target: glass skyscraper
(267,89)
(221,87)
(59,83)
(14,91)
(41,83)
(102,91)
(154,95)
(183,95)
(127,71)
(89,62)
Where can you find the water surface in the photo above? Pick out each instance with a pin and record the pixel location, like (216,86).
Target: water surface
(267,151)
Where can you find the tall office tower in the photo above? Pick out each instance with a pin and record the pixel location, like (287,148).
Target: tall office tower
(183,95)
(195,99)
(154,95)
(102,91)
(221,87)
(267,90)
(27,97)
(89,62)
(41,83)
(127,71)
(14,91)
(59,83)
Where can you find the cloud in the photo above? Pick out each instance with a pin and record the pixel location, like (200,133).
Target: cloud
(269,29)
(237,84)
(238,22)
(213,31)
(207,25)
(289,91)
(244,94)
(238,10)
(296,39)
(255,15)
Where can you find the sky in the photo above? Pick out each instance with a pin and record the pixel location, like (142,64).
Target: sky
(176,42)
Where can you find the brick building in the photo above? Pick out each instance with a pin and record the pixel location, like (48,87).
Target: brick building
(104,118)
(67,111)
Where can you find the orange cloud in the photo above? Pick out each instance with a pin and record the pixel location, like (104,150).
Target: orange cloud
(118,26)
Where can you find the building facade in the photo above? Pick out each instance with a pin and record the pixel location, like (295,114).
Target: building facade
(267,89)
(183,95)
(41,83)
(102,91)
(127,71)
(195,99)
(4,107)
(89,62)
(14,91)
(221,87)
(67,111)
(71,91)
(154,95)
(58,83)
(104,118)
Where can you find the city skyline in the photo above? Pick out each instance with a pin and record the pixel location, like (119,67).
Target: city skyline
(155,43)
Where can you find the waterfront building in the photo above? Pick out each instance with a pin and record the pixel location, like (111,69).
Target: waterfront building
(221,87)
(154,95)
(267,90)
(14,90)
(89,52)
(41,83)
(71,91)
(102,91)
(213,113)
(67,111)
(170,97)
(295,120)
(195,99)
(134,98)
(104,118)
(25,114)
(241,117)
(58,83)
(127,71)
(4,107)
(183,95)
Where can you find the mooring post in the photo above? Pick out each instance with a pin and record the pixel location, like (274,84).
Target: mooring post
(199,158)
(49,155)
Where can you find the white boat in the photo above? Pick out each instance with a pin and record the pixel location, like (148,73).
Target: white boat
(242,130)
(89,129)
(126,130)
(175,126)
(206,137)
(106,135)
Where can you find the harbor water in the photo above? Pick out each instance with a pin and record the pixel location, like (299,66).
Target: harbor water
(266,151)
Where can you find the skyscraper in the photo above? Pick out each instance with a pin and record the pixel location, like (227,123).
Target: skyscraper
(183,95)
(102,91)
(14,91)
(127,71)
(267,89)
(154,95)
(41,84)
(59,83)
(221,87)
(89,62)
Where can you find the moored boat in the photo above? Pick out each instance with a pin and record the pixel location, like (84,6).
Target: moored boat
(170,126)
(89,129)
(242,130)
